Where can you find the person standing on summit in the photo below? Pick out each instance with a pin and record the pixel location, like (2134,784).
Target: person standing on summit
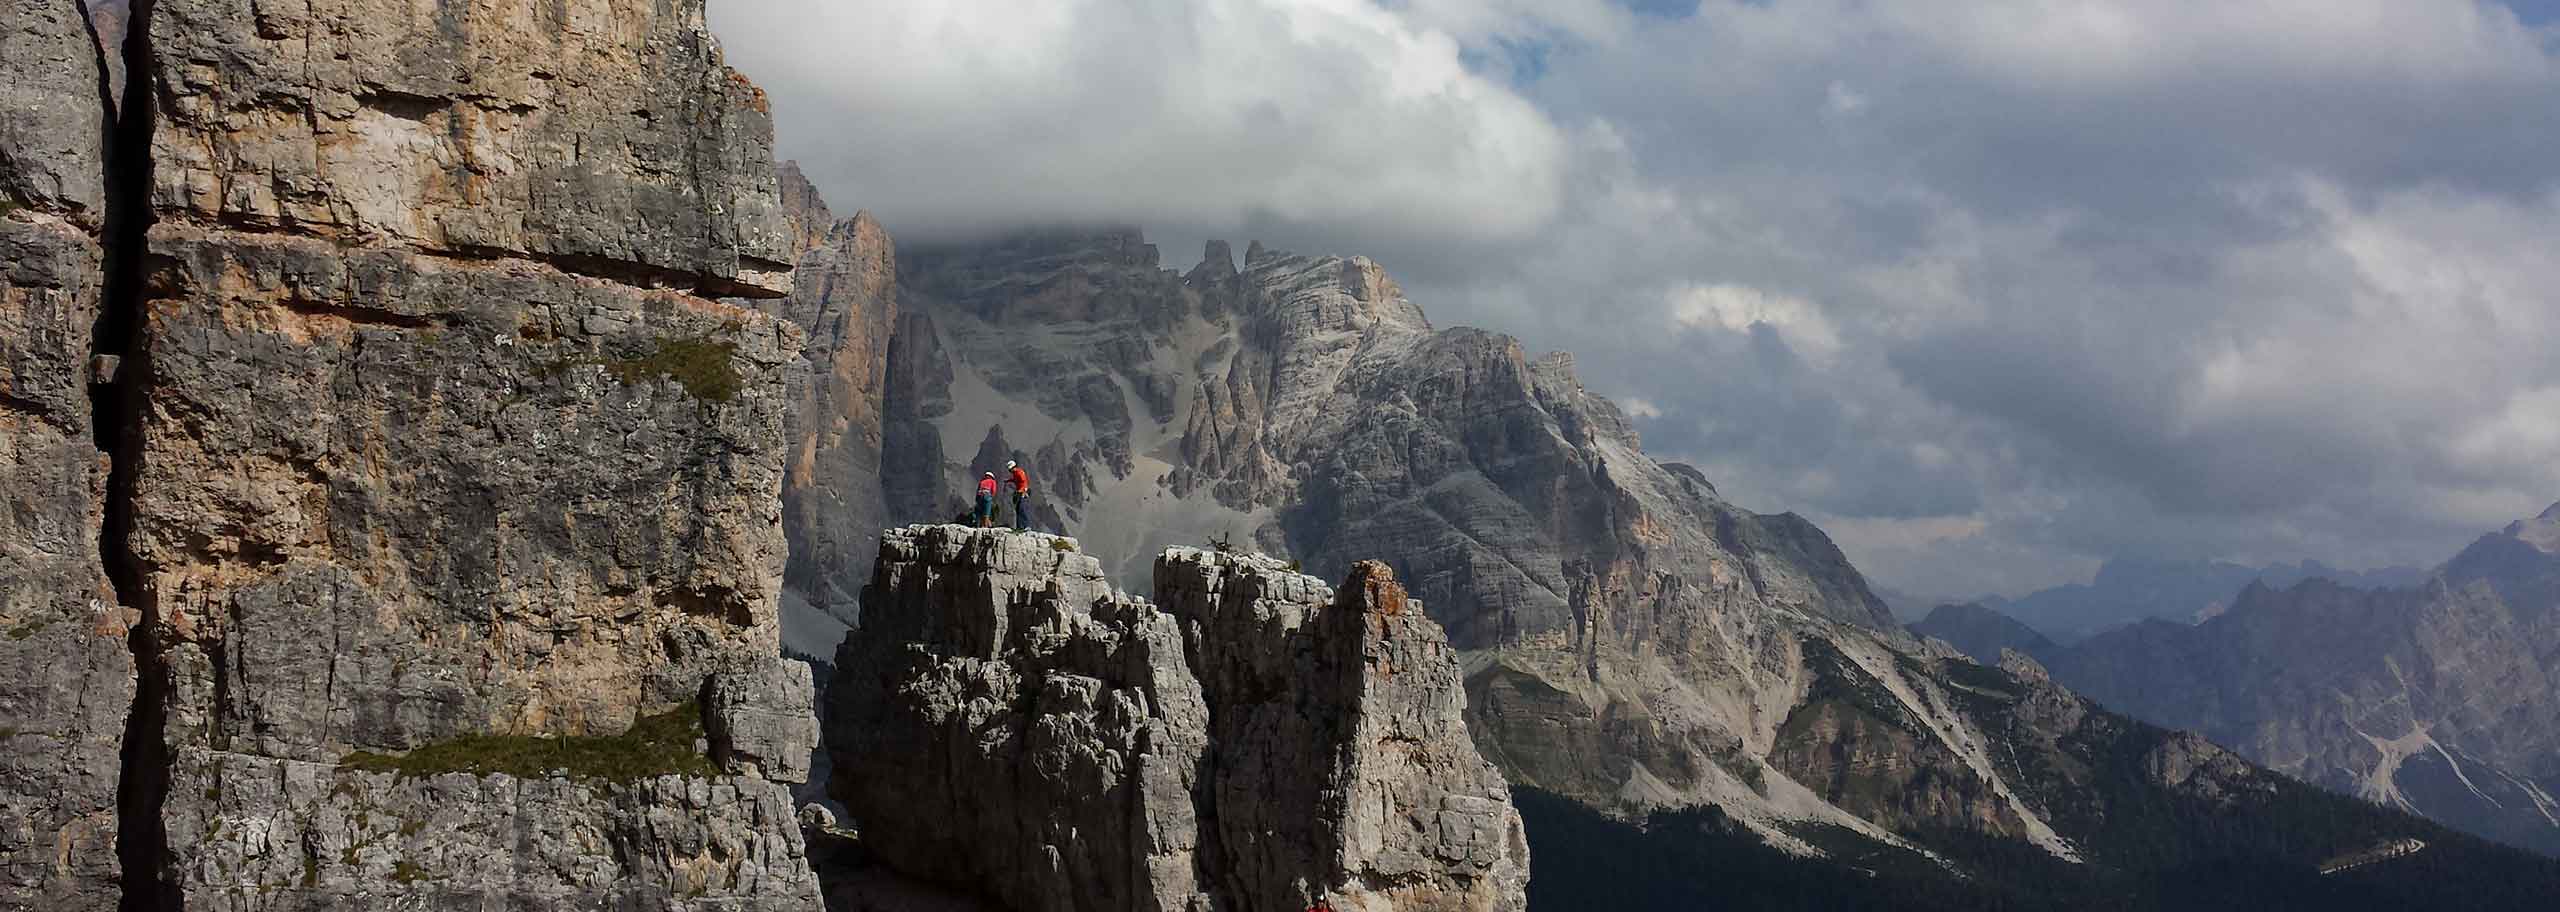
(1021,496)
(986,512)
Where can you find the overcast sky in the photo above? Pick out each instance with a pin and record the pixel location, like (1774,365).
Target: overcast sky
(1991,290)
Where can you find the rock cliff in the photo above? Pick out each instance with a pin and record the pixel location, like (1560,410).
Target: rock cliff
(62,632)
(1006,721)
(844,298)
(404,506)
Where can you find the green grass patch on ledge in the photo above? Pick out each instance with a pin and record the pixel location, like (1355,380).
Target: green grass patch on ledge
(654,746)
(699,364)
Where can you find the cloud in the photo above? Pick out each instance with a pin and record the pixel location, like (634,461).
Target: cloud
(2267,281)
(1739,308)
(963,116)
(1992,289)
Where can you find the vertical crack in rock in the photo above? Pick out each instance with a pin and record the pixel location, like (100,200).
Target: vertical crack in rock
(120,373)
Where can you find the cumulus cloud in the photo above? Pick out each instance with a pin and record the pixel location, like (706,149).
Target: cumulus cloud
(962,116)
(1992,290)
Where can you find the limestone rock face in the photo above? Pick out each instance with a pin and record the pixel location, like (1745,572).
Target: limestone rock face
(762,719)
(52,125)
(1004,718)
(62,633)
(346,840)
(605,137)
(405,435)
(1349,702)
(493,515)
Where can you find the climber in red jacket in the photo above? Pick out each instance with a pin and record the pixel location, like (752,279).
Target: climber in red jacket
(1021,496)
(986,512)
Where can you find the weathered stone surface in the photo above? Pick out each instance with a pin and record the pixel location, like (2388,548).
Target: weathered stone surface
(52,121)
(509,500)
(49,278)
(71,680)
(1006,719)
(487,501)
(62,707)
(434,442)
(62,634)
(606,137)
(260,833)
(762,719)
(1340,760)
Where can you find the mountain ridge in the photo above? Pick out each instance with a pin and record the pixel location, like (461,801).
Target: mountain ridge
(2435,698)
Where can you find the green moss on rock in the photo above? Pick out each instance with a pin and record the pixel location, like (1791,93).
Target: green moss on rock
(656,745)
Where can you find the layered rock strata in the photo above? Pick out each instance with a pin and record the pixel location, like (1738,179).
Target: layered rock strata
(440,496)
(1004,719)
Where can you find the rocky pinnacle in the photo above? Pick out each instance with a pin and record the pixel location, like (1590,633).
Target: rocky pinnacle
(1007,721)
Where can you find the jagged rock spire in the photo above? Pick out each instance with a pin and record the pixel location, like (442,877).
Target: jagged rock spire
(1006,719)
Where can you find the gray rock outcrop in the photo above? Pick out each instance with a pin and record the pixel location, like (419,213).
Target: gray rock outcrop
(391,513)
(62,631)
(1006,720)
(602,137)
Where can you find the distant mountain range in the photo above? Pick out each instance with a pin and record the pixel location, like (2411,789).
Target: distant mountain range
(2127,591)
(2438,696)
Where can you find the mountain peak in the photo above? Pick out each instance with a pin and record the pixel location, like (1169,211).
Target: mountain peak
(2542,532)
(1217,263)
